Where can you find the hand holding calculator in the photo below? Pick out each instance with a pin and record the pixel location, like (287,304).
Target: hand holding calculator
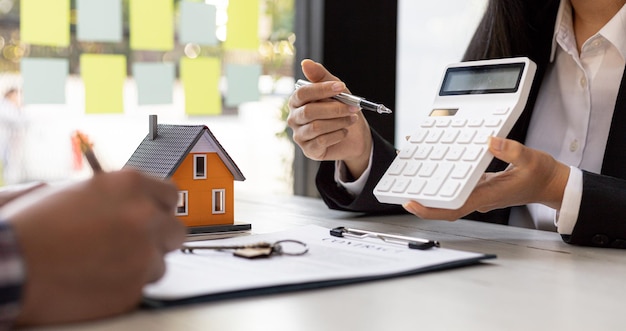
(442,161)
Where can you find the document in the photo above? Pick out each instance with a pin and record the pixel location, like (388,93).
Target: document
(207,275)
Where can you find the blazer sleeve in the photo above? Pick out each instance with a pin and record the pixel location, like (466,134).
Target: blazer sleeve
(336,197)
(602,216)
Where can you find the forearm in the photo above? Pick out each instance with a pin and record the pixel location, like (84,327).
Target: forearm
(602,218)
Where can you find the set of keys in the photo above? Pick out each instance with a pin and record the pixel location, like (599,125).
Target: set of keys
(288,247)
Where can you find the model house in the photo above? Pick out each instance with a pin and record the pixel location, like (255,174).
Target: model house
(194,160)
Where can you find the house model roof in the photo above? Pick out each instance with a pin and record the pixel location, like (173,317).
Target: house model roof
(165,147)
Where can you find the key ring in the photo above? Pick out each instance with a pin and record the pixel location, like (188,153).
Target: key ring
(301,249)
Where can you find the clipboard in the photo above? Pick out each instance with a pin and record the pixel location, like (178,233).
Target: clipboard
(331,261)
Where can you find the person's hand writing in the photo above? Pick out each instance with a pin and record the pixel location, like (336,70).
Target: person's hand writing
(90,248)
(326,129)
(532,177)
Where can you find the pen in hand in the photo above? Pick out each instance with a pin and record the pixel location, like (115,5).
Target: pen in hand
(87,150)
(353,100)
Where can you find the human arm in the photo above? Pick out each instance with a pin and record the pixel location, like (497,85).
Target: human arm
(326,129)
(89,248)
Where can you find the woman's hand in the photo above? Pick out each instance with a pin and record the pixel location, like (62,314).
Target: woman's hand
(326,129)
(532,177)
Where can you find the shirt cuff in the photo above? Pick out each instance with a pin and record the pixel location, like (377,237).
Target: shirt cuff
(342,177)
(11,276)
(568,214)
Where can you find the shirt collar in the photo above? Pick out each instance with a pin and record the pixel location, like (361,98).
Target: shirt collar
(613,31)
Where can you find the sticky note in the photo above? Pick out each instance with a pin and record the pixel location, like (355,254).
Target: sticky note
(197,23)
(103,77)
(44,80)
(242,27)
(155,82)
(99,20)
(45,22)
(200,78)
(151,24)
(243,84)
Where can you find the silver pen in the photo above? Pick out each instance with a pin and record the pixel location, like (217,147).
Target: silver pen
(353,100)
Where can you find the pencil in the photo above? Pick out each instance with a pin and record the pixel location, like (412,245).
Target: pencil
(87,150)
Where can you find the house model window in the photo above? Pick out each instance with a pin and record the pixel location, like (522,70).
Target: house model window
(181,207)
(219,201)
(199,167)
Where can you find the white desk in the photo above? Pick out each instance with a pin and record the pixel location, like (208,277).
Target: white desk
(536,283)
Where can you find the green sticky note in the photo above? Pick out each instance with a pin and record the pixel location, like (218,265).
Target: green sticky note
(151,24)
(45,22)
(243,83)
(103,77)
(200,78)
(242,28)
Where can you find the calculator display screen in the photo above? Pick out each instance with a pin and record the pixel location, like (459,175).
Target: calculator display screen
(501,78)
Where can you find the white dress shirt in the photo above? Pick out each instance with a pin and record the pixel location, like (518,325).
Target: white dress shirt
(573,111)
(572,114)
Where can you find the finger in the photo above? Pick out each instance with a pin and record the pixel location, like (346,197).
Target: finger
(316,72)
(315,92)
(509,151)
(317,128)
(320,111)
(317,148)
(173,233)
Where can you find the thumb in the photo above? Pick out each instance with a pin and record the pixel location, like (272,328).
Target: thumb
(316,72)
(509,151)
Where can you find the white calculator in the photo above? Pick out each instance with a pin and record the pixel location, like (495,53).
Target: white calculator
(441,162)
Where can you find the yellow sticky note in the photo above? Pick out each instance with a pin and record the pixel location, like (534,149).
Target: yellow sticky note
(45,22)
(242,28)
(200,78)
(103,76)
(151,24)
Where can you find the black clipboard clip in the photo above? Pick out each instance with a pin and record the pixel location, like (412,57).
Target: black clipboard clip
(412,242)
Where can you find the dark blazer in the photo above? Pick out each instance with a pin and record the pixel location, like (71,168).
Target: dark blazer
(602,215)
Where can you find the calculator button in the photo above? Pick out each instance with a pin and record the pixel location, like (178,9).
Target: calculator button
(472,153)
(427,169)
(493,122)
(475,122)
(449,136)
(416,187)
(461,170)
(436,181)
(423,152)
(396,167)
(408,151)
(419,136)
(483,136)
(400,185)
(449,189)
(459,122)
(466,136)
(428,122)
(439,152)
(385,184)
(502,111)
(442,122)
(434,136)
(412,168)
(455,153)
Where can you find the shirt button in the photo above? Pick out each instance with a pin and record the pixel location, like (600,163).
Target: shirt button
(573,146)
(583,82)
(596,43)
